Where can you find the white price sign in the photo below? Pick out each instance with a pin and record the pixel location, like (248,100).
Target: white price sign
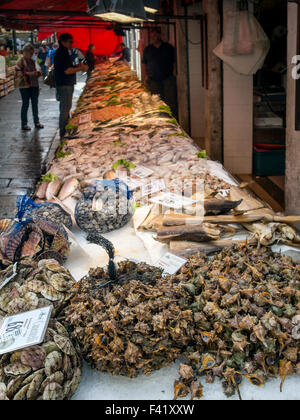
(173,201)
(24,330)
(84,119)
(153,188)
(224,193)
(133,184)
(141,172)
(171,264)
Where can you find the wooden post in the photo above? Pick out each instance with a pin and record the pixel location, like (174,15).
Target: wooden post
(182,68)
(213,111)
(293,136)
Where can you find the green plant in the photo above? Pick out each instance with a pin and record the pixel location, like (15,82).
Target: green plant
(202,154)
(165,109)
(60,154)
(49,178)
(182,134)
(123,162)
(173,121)
(119,143)
(71,128)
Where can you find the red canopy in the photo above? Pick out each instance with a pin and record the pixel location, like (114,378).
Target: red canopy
(60,16)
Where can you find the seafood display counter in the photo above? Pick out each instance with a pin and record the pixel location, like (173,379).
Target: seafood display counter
(129,190)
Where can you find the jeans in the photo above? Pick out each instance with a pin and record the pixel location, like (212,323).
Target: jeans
(27,94)
(44,69)
(167,89)
(64,95)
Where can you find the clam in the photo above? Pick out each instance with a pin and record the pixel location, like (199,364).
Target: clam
(53,363)
(64,344)
(33,357)
(16,369)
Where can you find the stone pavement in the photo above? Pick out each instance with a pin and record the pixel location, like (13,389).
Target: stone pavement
(24,156)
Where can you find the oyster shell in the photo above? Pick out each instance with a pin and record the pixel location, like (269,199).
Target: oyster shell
(38,373)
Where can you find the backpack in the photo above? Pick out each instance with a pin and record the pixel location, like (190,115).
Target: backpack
(49,79)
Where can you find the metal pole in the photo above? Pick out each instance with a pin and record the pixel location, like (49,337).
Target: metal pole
(14,42)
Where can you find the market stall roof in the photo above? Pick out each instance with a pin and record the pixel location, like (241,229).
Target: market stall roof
(50,16)
(60,16)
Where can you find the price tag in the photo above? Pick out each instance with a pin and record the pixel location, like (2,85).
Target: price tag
(6,281)
(133,184)
(84,119)
(153,188)
(173,201)
(224,193)
(171,264)
(142,172)
(24,330)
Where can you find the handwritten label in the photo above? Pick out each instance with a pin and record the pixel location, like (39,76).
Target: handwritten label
(224,193)
(171,264)
(24,330)
(84,119)
(133,184)
(173,201)
(142,172)
(153,188)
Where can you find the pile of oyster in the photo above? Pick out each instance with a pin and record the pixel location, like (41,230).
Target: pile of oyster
(36,285)
(142,323)
(41,238)
(52,212)
(50,371)
(246,314)
(232,316)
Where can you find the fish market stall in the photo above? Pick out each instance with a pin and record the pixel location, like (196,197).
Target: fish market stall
(129,191)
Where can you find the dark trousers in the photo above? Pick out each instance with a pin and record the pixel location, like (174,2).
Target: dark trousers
(64,95)
(167,89)
(28,94)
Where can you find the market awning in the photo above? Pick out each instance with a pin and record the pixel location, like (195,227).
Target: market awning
(53,15)
(60,16)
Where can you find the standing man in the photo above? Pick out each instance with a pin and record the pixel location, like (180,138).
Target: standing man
(160,65)
(65,78)
(125,54)
(90,59)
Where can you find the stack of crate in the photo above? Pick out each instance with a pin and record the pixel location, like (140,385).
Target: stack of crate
(7,85)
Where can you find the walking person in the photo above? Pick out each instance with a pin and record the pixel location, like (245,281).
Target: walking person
(90,59)
(159,60)
(42,56)
(28,83)
(50,58)
(65,78)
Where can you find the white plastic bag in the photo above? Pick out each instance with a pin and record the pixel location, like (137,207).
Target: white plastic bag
(245,42)
(237,34)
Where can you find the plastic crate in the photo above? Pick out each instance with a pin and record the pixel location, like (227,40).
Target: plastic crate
(269,160)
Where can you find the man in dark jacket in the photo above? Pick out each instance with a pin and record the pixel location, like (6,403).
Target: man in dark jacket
(159,59)
(65,78)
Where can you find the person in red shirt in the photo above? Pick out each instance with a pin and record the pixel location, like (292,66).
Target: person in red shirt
(4,52)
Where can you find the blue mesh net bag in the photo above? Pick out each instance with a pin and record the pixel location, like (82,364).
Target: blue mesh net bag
(52,212)
(29,238)
(105,206)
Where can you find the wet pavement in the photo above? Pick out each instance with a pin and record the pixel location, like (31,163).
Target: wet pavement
(24,156)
